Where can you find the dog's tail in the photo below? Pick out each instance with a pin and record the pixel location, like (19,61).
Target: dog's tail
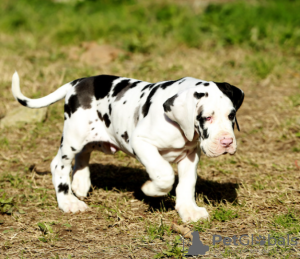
(57,95)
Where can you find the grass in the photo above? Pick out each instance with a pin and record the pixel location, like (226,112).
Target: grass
(251,44)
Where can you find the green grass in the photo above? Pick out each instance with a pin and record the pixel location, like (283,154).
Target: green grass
(258,26)
(224,214)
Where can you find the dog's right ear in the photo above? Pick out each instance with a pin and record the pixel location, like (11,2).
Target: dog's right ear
(181,108)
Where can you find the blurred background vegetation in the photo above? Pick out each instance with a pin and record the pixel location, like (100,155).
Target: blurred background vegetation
(139,26)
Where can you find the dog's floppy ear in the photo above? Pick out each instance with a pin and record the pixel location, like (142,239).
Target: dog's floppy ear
(181,108)
(235,94)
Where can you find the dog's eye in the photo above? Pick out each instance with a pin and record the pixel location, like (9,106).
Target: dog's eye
(231,116)
(208,118)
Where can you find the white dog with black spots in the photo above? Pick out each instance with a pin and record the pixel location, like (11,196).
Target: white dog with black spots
(157,123)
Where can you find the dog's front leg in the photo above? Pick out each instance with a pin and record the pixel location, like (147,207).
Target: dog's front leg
(159,170)
(185,191)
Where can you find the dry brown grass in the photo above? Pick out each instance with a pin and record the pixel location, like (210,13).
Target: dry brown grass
(258,183)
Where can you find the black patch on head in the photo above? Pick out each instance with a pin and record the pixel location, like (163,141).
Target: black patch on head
(23,102)
(198,95)
(199,83)
(166,84)
(106,120)
(205,134)
(134,84)
(147,104)
(124,102)
(235,94)
(76,81)
(125,136)
(109,109)
(170,102)
(142,95)
(102,85)
(206,84)
(73,149)
(63,187)
(148,86)
(202,120)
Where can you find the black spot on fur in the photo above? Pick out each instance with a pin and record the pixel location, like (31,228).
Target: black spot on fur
(198,95)
(206,94)
(134,84)
(93,128)
(205,134)
(64,157)
(85,92)
(202,120)
(55,166)
(199,83)
(67,110)
(170,102)
(148,86)
(23,102)
(147,104)
(166,84)
(61,140)
(76,81)
(120,86)
(63,187)
(106,120)
(182,81)
(109,109)
(206,84)
(73,149)
(102,85)
(125,136)
(73,105)
(100,115)
(62,167)
(124,102)
(142,95)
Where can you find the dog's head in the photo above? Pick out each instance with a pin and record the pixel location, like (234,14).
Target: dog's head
(210,110)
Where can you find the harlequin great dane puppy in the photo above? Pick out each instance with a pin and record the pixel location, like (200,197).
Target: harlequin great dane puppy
(158,123)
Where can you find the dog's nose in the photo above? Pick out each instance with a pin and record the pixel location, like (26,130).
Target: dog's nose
(226,142)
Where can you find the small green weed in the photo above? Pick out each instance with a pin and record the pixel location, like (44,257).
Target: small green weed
(223,214)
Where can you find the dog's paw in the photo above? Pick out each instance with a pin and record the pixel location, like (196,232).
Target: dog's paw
(150,189)
(81,184)
(192,213)
(71,204)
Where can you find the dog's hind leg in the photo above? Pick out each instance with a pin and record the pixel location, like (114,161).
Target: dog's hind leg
(81,182)
(73,141)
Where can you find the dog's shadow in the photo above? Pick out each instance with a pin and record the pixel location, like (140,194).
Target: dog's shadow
(111,177)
